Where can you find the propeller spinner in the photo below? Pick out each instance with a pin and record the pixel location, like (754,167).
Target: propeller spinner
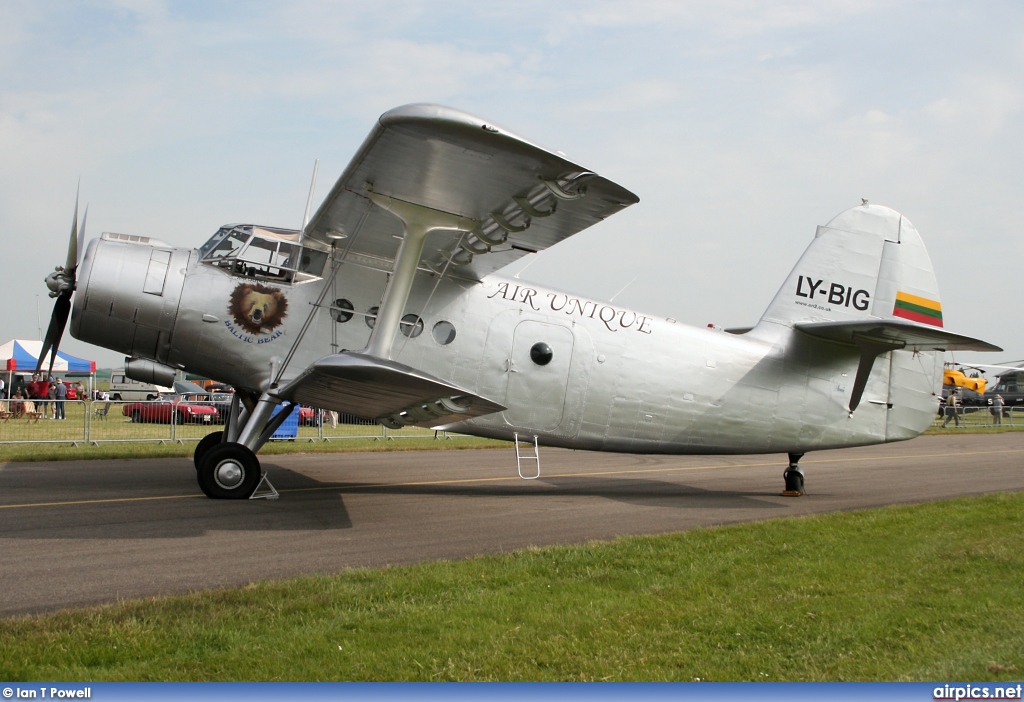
(62,286)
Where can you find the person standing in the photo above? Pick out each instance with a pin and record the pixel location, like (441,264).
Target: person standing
(951,409)
(39,392)
(60,394)
(997,409)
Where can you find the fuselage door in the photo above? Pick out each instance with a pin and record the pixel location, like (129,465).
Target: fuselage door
(538,375)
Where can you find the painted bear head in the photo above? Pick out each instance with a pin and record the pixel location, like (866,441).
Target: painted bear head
(258,308)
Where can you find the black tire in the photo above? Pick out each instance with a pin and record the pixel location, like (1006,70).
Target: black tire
(116,397)
(205,444)
(229,471)
(136,416)
(794,480)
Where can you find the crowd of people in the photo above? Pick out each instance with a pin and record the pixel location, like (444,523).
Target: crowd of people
(43,396)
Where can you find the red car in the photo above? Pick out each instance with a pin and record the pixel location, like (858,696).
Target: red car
(309,417)
(184,412)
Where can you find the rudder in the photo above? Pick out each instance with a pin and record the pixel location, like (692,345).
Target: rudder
(868,262)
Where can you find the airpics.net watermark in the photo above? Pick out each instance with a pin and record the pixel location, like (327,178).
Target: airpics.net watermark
(977,692)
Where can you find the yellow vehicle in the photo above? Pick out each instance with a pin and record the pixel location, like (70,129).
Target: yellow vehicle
(956,378)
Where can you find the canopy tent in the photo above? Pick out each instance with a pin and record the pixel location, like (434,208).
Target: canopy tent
(21,355)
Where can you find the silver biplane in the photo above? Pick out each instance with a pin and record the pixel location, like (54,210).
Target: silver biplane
(390,304)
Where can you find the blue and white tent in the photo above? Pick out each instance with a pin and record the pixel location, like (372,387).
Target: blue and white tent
(20,356)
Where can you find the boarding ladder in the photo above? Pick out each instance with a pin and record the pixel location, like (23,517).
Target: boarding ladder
(520,457)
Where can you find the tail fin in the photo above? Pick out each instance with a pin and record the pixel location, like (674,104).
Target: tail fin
(867,263)
(866,282)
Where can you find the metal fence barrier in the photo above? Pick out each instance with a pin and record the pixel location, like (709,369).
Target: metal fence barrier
(52,421)
(93,422)
(969,416)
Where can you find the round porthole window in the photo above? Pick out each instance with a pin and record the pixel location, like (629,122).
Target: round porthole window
(411,326)
(371,316)
(341,311)
(443,333)
(541,353)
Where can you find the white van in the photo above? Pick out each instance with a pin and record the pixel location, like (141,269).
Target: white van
(124,388)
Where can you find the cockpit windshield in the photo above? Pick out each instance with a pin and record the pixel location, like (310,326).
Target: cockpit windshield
(226,243)
(264,254)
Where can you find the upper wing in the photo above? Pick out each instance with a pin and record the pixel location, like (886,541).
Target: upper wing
(525,197)
(895,335)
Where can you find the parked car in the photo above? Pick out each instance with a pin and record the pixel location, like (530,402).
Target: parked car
(221,401)
(177,406)
(310,417)
(124,388)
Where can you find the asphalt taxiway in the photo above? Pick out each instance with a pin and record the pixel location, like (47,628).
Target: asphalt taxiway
(75,533)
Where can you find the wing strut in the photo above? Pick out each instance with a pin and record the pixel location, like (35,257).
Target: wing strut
(418,221)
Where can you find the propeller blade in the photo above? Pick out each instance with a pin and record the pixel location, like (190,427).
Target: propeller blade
(64,285)
(54,332)
(73,244)
(81,238)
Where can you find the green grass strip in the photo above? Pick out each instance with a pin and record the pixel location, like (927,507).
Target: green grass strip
(927,592)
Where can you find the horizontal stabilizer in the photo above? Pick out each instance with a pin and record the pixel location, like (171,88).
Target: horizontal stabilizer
(391,393)
(894,334)
(878,336)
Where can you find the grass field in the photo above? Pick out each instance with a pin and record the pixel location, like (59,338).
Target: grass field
(929,592)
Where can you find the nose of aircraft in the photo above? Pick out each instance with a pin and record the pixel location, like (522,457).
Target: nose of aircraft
(128,293)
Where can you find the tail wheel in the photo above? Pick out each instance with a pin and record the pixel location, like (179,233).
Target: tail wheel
(137,416)
(229,471)
(205,444)
(794,478)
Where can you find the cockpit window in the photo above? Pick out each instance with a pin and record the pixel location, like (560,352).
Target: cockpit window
(248,254)
(229,245)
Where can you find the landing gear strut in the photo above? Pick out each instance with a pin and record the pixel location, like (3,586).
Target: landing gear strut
(226,463)
(794,477)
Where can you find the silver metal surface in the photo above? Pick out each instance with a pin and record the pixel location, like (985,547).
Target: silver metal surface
(228,473)
(617,379)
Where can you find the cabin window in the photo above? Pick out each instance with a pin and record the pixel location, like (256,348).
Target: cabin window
(411,326)
(541,353)
(341,311)
(245,253)
(443,333)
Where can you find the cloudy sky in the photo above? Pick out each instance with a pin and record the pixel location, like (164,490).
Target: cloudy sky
(741,125)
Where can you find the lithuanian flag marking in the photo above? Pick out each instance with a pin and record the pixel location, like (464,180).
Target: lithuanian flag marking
(918,309)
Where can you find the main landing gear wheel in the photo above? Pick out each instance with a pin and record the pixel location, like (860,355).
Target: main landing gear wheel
(229,471)
(794,477)
(205,444)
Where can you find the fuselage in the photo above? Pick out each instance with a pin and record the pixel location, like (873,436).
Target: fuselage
(615,379)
